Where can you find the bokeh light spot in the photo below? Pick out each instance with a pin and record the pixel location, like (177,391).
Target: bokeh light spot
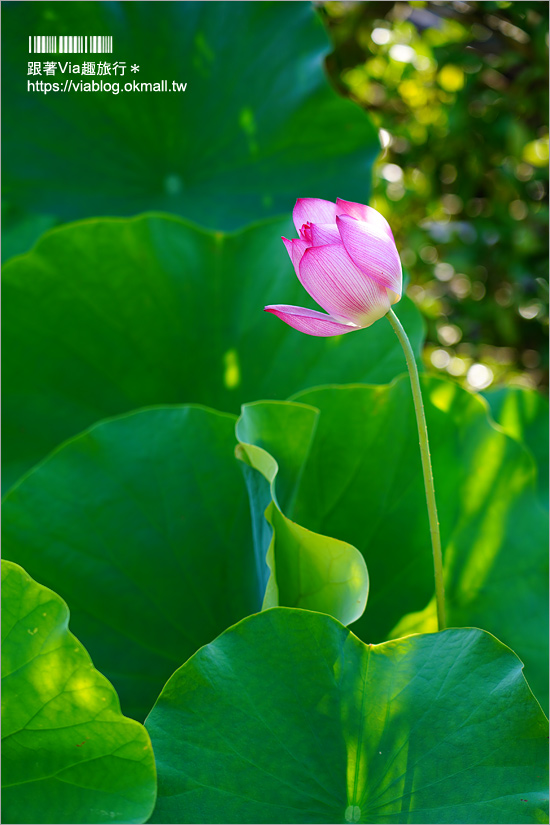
(479,377)
(451,78)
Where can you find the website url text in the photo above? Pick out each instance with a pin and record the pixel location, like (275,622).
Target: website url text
(44,87)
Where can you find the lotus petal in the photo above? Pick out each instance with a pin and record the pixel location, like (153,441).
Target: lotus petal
(324,233)
(295,248)
(372,250)
(310,321)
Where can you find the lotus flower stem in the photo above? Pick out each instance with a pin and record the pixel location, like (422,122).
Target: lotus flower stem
(426,465)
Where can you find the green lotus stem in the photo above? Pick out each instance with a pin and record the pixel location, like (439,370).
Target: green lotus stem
(426,466)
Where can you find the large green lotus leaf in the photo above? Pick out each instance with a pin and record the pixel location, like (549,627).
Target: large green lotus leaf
(362,482)
(142,524)
(106,316)
(288,717)
(524,415)
(257,126)
(68,754)
(143,527)
(305,569)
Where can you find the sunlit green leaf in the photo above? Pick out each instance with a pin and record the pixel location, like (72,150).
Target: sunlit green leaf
(306,569)
(257,125)
(362,483)
(288,717)
(524,415)
(68,754)
(109,315)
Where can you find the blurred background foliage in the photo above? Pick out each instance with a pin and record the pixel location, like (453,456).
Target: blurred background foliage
(459,93)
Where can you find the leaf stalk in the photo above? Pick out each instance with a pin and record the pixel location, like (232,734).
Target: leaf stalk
(426,465)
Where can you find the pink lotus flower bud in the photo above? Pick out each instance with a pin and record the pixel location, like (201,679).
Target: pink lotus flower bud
(347,260)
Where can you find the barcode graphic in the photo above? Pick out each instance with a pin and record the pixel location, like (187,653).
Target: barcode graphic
(70,44)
